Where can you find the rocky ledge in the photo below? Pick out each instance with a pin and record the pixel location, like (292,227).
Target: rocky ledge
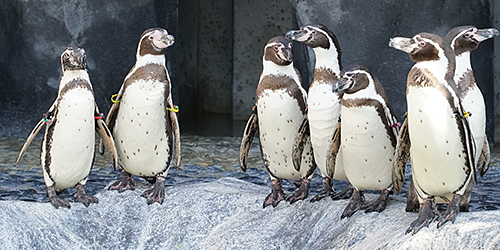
(227,214)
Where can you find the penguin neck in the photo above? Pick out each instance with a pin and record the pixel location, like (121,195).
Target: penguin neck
(462,66)
(150,59)
(70,75)
(438,68)
(327,58)
(270,68)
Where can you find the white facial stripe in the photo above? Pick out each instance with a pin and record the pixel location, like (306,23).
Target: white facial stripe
(456,37)
(327,58)
(272,45)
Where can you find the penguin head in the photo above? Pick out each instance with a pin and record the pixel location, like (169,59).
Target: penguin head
(155,41)
(468,38)
(353,78)
(314,36)
(279,51)
(73,58)
(423,47)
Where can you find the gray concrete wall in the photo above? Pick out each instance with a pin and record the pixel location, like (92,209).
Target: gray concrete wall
(255,22)
(495,9)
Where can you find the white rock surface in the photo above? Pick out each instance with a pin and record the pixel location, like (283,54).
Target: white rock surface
(227,214)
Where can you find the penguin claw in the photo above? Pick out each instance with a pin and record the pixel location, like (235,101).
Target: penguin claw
(357,203)
(326,190)
(58,202)
(156,193)
(125,182)
(426,215)
(380,204)
(451,212)
(81,196)
(302,192)
(277,194)
(344,194)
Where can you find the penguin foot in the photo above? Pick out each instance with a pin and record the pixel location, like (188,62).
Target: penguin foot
(344,194)
(55,200)
(451,212)
(157,192)
(426,215)
(81,196)
(357,203)
(380,204)
(327,190)
(126,182)
(277,194)
(302,192)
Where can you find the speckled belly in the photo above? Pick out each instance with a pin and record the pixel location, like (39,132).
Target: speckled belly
(140,133)
(437,153)
(279,120)
(367,151)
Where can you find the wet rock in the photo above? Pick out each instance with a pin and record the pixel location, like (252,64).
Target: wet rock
(227,214)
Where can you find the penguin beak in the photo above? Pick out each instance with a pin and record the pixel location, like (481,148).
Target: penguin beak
(340,85)
(297,35)
(167,40)
(485,34)
(402,43)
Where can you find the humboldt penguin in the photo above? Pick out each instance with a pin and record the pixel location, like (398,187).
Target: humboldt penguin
(279,111)
(368,136)
(68,143)
(143,119)
(439,138)
(323,112)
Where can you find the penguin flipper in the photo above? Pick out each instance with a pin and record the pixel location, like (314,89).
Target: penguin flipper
(177,137)
(333,151)
(106,139)
(469,142)
(300,142)
(110,121)
(246,141)
(30,138)
(483,163)
(402,156)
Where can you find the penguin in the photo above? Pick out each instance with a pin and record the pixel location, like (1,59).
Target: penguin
(279,111)
(439,139)
(143,119)
(368,136)
(68,144)
(463,40)
(323,112)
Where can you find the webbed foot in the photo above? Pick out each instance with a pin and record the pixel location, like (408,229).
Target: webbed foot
(357,203)
(125,182)
(81,196)
(426,215)
(380,204)
(327,190)
(277,194)
(451,212)
(55,200)
(302,192)
(344,194)
(157,192)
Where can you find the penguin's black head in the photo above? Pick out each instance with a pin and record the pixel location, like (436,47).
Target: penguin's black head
(352,79)
(423,47)
(314,36)
(468,38)
(279,51)
(73,58)
(155,41)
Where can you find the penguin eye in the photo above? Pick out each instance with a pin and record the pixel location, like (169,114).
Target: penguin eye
(313,32)
(276,48)
(151,37)
(467,35)
(290,45)
(421,44)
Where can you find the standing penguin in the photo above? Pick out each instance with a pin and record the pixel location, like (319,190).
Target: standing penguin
(143,119)
(68,144)
(439,139)
(368,136)
(463,40)
(279,111)
(323,113)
